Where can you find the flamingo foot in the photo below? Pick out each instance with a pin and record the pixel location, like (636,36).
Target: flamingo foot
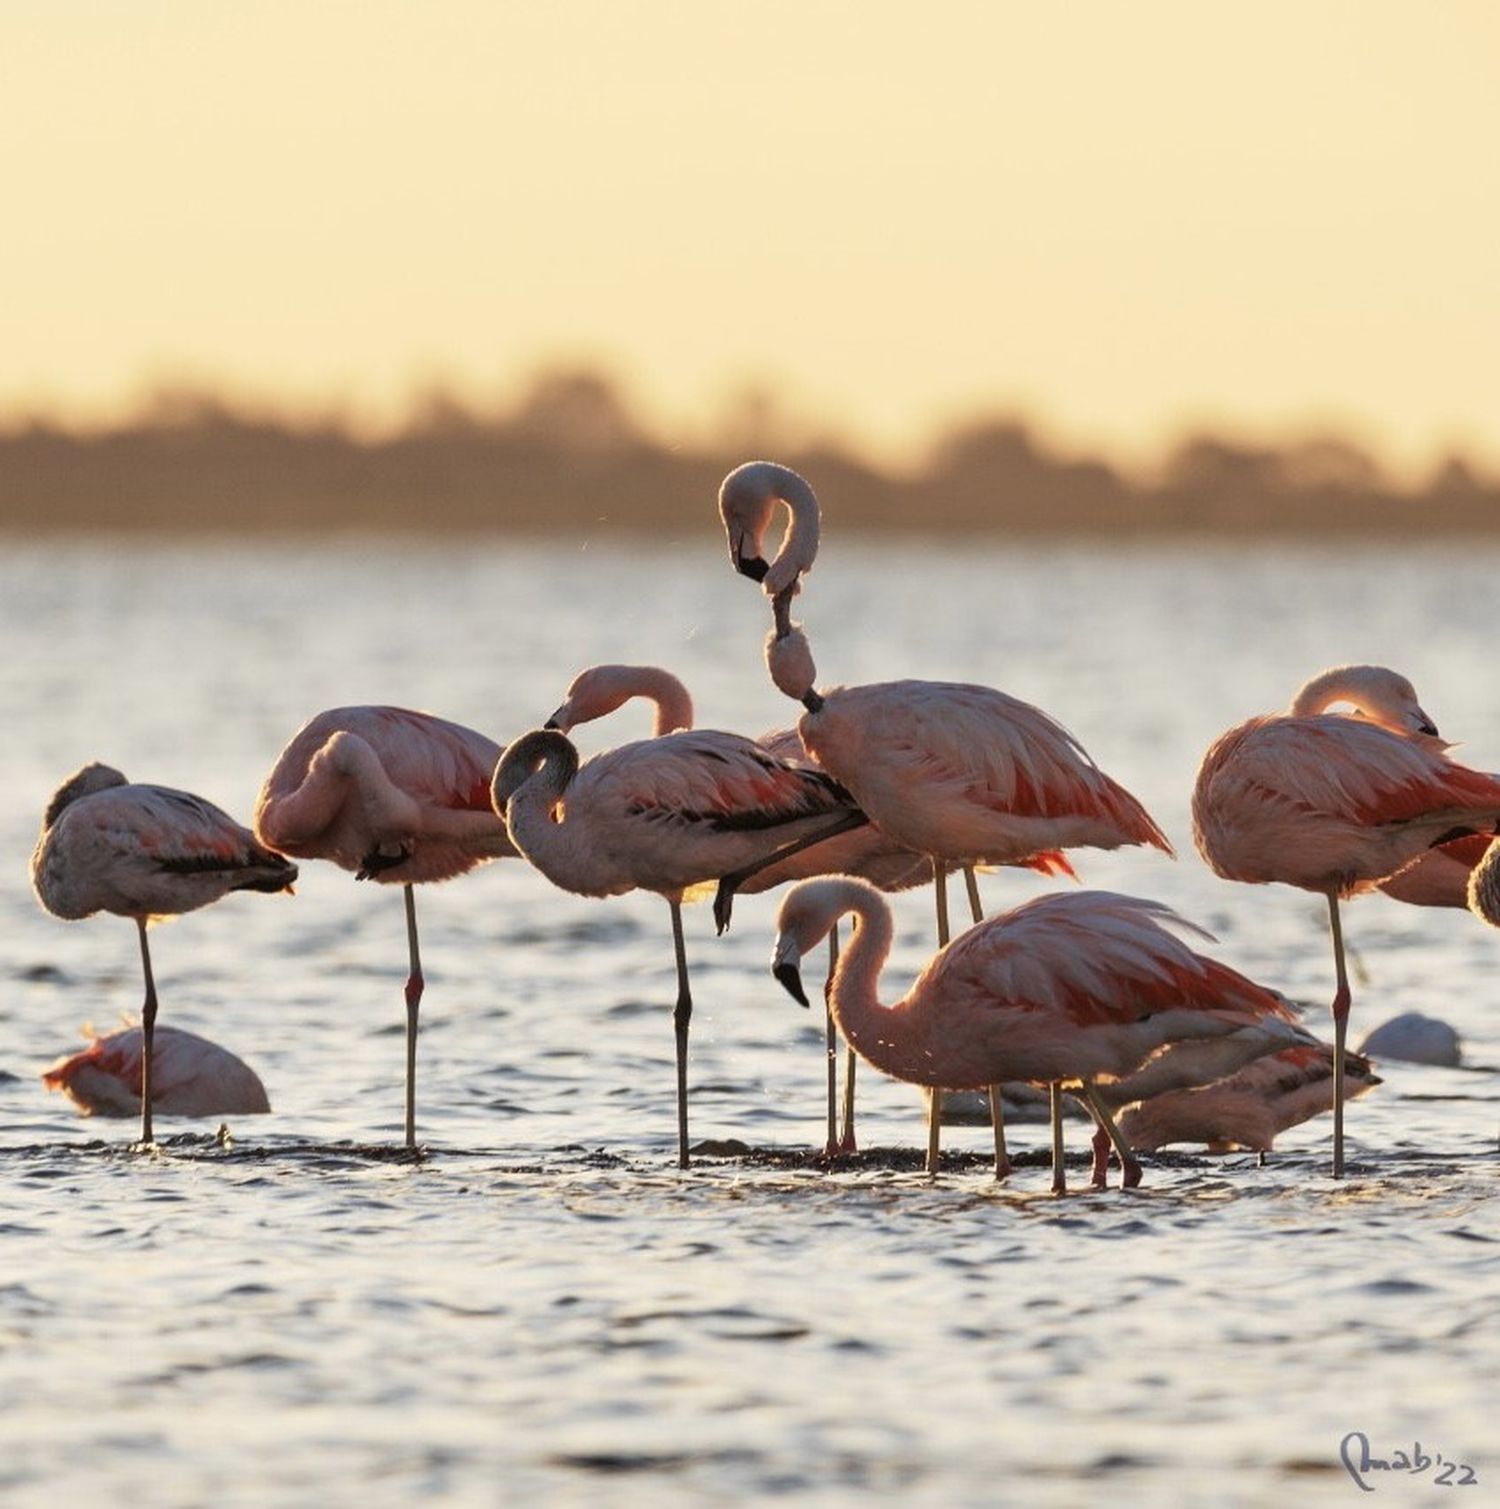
(1059,1183)
(1130,1177)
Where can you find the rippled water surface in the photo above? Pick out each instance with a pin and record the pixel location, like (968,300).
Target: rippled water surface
(544,1309)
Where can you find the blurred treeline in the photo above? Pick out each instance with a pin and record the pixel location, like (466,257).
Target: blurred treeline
(570,455)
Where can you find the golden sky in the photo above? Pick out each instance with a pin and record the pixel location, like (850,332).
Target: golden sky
(1121,217)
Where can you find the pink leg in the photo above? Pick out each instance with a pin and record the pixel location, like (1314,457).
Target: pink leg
(847,1143)
(414,984)
(1059,1172)
(1341,1002)
(148,1036)
(1100,1178)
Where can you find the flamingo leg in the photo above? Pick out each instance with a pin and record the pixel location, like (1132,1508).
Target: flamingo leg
(935,1094)
(831,1038)
(997,1120)
(1340,1032)
(1100,1177)
(730,883)
(682,1014)
(148,1034)
(847,1143)
(414,986)
(1059,1173)
(997,1104)
(1130,1167)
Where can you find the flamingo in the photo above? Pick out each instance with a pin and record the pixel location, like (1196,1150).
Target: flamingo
(396,796)
(1067,989)
(965,774)
(601,689)
(664,814)
(1247,1109)
(1336,803)
(143,852)
(190,1076)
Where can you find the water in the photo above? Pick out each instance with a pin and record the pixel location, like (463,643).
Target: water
(545,1309)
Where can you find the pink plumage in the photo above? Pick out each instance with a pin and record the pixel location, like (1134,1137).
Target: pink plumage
(1249,1108)
(1336,802)
(396,796)
(191,1076)
(1066,990)
(144,852)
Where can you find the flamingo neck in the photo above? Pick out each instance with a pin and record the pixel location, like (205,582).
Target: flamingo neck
(1345,683)
(799,545)
(673,703)
(876,1032)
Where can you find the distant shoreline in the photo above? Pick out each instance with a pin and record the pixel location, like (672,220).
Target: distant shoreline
(572,462)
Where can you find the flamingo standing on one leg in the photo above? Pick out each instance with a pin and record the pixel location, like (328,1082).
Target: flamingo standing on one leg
(663,814)
(1067,990)
(398,797)
(190,1076)
(1336,804)
(964,774)
(143,852)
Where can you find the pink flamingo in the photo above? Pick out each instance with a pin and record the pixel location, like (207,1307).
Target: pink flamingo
(864,851)
(398,797)
(1066,990)
(664,814)
(1248,1109)
(190,1076)
(1336,804)
(964,774)
(143,852)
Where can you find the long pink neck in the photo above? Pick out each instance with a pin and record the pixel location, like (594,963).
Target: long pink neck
(674,705)
(881,1034)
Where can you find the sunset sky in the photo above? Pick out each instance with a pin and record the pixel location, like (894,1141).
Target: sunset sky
(1122,219)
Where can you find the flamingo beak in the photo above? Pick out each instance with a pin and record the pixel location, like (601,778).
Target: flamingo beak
(784,966)
(1425,725)
(753,565)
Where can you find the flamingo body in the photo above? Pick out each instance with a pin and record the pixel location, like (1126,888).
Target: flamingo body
(191,1076)
(969,773)
(1066,989)
(396,796)
(1250,1108)
(141,851)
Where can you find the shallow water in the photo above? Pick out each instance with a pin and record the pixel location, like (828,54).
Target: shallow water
(544,1309)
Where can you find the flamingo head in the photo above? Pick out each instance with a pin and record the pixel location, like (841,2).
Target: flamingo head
(543,752)
(84,782)
(747,502)
(1375,693)
(600,690)
(807,915)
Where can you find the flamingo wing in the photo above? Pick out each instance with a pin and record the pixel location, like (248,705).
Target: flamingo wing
(1095,957)
(1345,768)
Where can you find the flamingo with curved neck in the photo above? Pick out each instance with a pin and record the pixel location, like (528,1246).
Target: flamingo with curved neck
(1067,990)
(664,814)
(964,774)
(1336,803)
(398,797)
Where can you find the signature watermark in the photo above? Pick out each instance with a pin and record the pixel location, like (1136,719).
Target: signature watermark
(1362,1464)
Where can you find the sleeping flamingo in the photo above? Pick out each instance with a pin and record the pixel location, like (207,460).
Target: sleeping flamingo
(865,851)
(664,814)
(1067,990)
(143,852)
(964,774)
(190,1076)
(398,797)
(1336,803)
(1247,1109)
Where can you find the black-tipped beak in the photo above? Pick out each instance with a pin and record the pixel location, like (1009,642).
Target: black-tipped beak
(1426,726)
(553,723)
(755,567)
(791,982)
(812,701)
